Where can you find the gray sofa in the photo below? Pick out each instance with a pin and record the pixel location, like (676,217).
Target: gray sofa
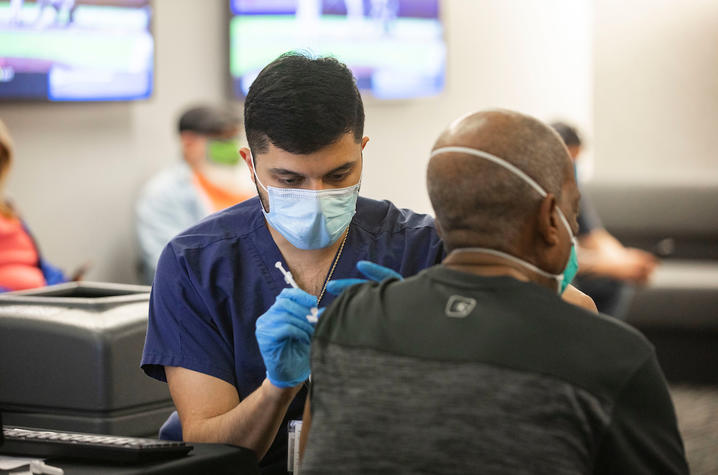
(69,360)
(678,310)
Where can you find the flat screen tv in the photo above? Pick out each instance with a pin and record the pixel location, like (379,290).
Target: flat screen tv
(76,50)
(395,48)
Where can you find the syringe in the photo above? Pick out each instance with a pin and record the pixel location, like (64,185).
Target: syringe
(313,317)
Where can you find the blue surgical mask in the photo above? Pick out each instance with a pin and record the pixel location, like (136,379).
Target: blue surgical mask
(310,219)
(571,267)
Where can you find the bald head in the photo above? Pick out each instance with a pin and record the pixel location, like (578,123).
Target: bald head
(480,203)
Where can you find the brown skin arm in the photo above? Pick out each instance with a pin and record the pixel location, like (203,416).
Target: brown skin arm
(603,255)
(211,411)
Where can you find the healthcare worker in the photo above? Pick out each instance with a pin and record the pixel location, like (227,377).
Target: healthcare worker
(210,177)
(304,122)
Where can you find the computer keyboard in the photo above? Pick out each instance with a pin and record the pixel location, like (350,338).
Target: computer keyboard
(50,443)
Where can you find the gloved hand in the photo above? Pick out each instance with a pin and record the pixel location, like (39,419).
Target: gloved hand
(370,270)
(284,336)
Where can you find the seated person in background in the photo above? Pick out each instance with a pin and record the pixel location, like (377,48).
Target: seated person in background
(608,270)
(210,177)
(21,265)
(477,365)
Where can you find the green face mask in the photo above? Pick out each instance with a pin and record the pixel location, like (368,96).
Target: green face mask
(223,152)
(571,267)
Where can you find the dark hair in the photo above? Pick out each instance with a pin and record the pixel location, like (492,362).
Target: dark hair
(302,104)
(568,133)
(208,120)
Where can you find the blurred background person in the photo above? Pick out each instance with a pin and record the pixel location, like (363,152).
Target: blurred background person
(210,177)
(608,271)
(21,264)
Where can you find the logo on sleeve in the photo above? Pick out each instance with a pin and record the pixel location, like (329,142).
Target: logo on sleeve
(459,307)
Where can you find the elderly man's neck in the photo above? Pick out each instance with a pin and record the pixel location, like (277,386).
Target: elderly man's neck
(468,257)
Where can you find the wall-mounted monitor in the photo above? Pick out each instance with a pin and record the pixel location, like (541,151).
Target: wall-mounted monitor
(395,48)
(76,50)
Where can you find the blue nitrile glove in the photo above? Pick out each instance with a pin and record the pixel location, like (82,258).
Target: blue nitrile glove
(284,336)
(370,270)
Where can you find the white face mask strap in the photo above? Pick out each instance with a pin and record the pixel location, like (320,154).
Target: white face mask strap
(254,170)
(493,158)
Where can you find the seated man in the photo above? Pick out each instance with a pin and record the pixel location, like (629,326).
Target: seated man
(477,365)
(209,178)
(609,271)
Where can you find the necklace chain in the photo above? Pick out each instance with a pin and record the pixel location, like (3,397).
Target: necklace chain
(334,265)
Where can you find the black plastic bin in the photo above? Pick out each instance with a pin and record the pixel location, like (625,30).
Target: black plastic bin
(69,360)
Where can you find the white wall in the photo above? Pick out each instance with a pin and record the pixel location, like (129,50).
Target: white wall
(656,91)
(79,166)
(532,56)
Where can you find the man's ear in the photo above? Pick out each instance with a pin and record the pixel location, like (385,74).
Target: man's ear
(364,141)
(548,225)
(246,155)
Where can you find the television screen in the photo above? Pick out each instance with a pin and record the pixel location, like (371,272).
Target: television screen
(75,50)
(395,48)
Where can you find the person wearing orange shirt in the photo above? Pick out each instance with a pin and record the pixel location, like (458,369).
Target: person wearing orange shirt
(210,177)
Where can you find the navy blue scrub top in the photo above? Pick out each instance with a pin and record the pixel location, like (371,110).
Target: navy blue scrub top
(215,279)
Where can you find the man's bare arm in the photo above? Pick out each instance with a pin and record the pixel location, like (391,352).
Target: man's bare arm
(603,255)
(210,410)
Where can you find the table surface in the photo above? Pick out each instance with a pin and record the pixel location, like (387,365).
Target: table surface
(204,458)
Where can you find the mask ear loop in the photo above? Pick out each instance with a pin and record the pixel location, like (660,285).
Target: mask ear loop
(570,233)
(256,177)
(254,171)
(361,175)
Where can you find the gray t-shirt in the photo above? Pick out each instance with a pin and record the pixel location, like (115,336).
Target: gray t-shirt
(448,372)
